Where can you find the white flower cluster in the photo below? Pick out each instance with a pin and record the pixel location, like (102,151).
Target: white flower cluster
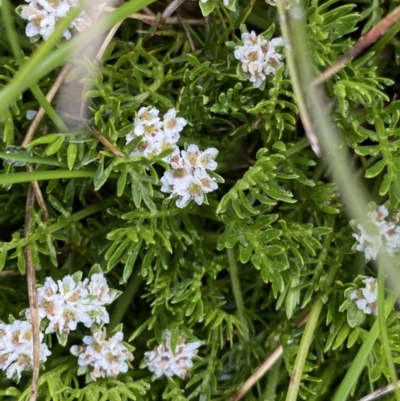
(16,348)
(162,361)
(71,301)
(366,298)
(285,2)
(259,57)
(102,357)
(44,15)
(378,234)
(188,178)
(156,135)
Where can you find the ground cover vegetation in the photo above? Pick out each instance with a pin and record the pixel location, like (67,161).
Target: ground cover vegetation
(169,221)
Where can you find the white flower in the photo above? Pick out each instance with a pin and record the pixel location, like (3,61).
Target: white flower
(201,160)
(188,179)
(162,361)
(30,114)
(16,348)
(173,125)
(69,302)
(104,358)
(259,57)
(157,135)
(44,16)
(378,234)
(366,298)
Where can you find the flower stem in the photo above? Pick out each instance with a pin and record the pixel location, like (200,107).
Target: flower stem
(359,361)
(125,300)
(82,214)
(237,293)
(311,324)
(16,49)
(17,178)
(383,330)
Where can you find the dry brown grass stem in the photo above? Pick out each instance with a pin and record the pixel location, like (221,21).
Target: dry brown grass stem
(33,299)
(41,113)
(264,367)
(258,374)
(107,144)
(170,9)
(5,273)
(379,393)
(167,21)
(38,195)
(363,43)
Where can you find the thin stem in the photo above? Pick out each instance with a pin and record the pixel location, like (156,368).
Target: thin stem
(237,293)
(82,214)
(48,108)
(17,52)
(379,393)
(297,147)
(45,59)
(359,361)
(383,329)
(363,43)
(295,81)
(260,372)
(33,298)
(41,113)
(27,158)
(311,324)
(17,178)
(125,300)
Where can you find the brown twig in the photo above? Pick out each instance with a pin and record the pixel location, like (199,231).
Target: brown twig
(379,393)
(38,195)
(258,374)
(105,142)
(33,300)
(41,113)
(264,367)
(167,21)
(169,10)
(363,43)
(9,273)
(188,35)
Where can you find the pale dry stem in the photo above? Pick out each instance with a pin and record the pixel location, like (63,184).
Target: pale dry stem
(107,144)
(379,393)
(363,43)
(39,195)
(33,299)
(170,9)
(264,367)
(167,21)
(41,113)
(258,374)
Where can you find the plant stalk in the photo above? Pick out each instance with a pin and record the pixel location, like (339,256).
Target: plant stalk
(383,331)
(237,293)
(311,324)
(125,300)
(45,60)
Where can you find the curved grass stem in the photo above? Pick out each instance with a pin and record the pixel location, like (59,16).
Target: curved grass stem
(383,331)
(237,293)
(45,60)
(311,324)
(359,361)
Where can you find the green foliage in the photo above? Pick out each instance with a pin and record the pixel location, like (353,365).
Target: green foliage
(278,211)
